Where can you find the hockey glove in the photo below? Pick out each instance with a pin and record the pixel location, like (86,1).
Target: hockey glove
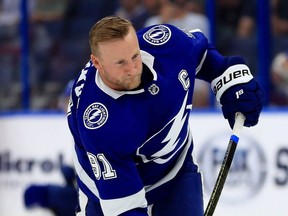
(247,98)
(238,91)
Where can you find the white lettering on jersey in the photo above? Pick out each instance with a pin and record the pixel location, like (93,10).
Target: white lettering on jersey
(182,76)
(108,173)
(70,104)
(78,89)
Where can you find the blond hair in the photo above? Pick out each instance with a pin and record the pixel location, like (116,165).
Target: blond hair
(108,29)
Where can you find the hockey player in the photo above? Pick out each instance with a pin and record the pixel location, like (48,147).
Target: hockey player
(129,111)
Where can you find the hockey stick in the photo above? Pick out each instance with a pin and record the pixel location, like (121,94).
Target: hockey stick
(239,122)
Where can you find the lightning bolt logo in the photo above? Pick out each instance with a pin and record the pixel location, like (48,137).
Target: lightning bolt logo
(157,35)
(95,116)
(171,138)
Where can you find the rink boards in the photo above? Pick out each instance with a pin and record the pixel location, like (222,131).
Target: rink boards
(33,147)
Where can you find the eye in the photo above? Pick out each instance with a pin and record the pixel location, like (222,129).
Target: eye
(121,62)
(135,56)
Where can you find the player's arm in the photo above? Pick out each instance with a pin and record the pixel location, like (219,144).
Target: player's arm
(118,183)
(233,85)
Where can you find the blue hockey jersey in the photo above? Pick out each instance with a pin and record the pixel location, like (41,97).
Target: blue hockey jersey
(130,143)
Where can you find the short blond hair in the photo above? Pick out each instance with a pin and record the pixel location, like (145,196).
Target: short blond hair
(108,29)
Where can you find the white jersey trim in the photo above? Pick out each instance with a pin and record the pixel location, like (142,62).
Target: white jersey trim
(83,201)
(114,207)
(195,30)
(205,54)
(113,93)
(201,62)
(83,176)
(148,60)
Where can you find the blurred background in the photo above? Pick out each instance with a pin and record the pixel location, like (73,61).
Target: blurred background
(44,44)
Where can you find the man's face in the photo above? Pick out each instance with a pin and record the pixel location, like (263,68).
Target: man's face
(119,62)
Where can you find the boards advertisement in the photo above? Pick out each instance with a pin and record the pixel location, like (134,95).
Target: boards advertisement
(34,147)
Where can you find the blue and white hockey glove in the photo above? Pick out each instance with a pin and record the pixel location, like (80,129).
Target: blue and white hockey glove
(238,91)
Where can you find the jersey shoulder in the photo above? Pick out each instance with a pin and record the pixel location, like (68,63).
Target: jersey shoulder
(164,35)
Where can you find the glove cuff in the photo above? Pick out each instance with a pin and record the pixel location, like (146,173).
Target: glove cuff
(234,75)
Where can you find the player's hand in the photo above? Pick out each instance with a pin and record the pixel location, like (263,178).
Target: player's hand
(247,98)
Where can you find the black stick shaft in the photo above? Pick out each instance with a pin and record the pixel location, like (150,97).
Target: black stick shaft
(226,164)
(221,178)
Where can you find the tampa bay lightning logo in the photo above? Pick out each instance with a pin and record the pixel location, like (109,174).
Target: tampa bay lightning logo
(157,35)
(95,116)
(164,144)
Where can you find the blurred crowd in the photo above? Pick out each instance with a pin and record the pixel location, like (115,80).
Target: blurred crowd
(58,41)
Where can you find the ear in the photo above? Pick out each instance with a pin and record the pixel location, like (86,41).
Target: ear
(95,61)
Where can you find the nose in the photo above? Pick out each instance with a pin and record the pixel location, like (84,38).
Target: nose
(131,68)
